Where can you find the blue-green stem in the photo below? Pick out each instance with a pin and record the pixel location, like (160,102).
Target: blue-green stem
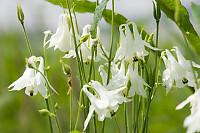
(27,41)
(110,54)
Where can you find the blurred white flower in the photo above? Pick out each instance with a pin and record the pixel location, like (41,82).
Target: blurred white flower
(63,39)
(87,42)
(104,102)
(192,122)
(179,71)
(130,47)
(32,80)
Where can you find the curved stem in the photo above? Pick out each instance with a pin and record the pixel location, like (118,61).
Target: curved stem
(27,41)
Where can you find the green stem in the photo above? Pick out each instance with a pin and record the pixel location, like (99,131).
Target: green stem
(110,55)
(103,125)
(27,41)
(71,110)
(50,123)
(79,109)
(111,45)
(117,124)
(137,116)
(45,66)
(135,109)
(51,98)
(125,117)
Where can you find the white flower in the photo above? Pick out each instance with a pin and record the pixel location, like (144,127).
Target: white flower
(192,122)
(137,82)
(104,103)
(87,42)
(120,79)
(31,80)
(179,71)
(130,47)
(62,39)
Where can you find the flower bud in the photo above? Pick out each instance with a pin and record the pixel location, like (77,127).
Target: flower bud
(66,68)
(20,13)
(84,38)
(44,112)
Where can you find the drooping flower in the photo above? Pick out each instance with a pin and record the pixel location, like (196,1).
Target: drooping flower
(131,47)
(137,82)
(62,39)
(121,79)
(32,80)
(87,42)
(179,71)
(193,120)
(104,102)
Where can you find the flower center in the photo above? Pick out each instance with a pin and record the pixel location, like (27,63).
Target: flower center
(185,80)
(135,58)
(31,91)
(112,112)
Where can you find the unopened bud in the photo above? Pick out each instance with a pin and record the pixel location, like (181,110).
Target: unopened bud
(129,84)
(66,68)
(84,38)
(20,13)
(44,112)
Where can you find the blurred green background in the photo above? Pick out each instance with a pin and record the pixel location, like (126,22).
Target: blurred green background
(19,112)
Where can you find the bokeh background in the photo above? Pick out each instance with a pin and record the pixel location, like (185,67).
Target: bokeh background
(19,112)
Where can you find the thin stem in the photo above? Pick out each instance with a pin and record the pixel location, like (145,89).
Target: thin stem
(79,109)
(117,124)
(110,55)
(45,66)
(51,98)
(27,41)
(71,109)
(50,123)
(111,45)
(137,116)
(125,117)
(135,105)
(94,122)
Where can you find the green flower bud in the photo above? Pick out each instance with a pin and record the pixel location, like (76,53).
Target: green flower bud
(56,106)
(84,38)
(66,68)
(20,13)
(44,112)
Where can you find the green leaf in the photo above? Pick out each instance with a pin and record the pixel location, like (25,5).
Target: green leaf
(97,17)
(168,7)
(196,13)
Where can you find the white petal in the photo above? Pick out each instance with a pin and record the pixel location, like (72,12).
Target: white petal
(181,105)
(88,117)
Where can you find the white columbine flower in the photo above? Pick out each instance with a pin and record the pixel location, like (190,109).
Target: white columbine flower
(62,39)
(87,42)
(131,48)
(192,122)
(104,102)
(32,80)
(120,79)
(137,82)
(179,71)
